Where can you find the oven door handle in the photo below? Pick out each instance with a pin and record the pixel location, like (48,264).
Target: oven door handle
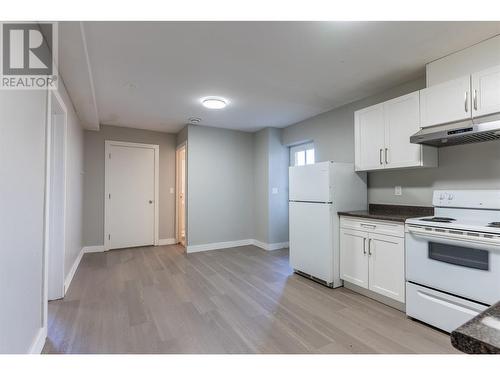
(456,239)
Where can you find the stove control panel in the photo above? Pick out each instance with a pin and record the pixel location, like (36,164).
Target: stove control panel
(484,199)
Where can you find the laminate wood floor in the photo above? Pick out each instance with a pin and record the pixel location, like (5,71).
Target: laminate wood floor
(240,300)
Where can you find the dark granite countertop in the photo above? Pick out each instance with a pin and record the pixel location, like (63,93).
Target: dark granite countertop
(391,212)
(481,334)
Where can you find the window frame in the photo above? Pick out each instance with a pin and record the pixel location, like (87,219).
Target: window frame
(303,147)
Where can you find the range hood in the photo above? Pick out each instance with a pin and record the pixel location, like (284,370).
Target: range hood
(470,131)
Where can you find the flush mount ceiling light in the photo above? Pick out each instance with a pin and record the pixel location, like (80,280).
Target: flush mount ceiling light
(214,102)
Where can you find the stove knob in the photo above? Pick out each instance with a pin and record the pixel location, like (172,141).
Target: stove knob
(450,197)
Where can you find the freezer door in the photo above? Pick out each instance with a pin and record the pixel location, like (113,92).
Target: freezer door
(310,183)
(311,239)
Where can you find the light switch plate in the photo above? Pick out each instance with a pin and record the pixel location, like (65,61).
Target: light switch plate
(274,190)
(171,190)
(398,190)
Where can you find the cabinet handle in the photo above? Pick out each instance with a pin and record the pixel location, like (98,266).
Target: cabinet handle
(371,226)
(369,247)
(380,157)
(466,101)
(364,245)
(475,100)
(386,160)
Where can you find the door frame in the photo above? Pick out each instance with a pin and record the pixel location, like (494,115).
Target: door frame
(53,95)
(107,210)
(183,145)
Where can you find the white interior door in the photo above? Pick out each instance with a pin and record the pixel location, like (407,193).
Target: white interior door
(131,195)
(311,239)
(402,119)
(369,138)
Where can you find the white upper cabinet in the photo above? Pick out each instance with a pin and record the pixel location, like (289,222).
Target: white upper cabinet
(447,102)
(402,121)
(486,92)
(382,136)
(370,139)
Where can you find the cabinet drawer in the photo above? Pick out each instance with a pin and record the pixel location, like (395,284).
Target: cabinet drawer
(438,309)
(373,226)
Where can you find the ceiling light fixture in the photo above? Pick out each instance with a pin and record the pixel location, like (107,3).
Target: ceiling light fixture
(214,102)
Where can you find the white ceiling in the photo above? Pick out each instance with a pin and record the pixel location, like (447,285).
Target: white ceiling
(151,75)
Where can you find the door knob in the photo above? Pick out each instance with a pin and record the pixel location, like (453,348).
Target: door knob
(150,202)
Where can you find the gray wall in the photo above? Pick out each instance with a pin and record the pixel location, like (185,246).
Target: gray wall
(22,167)
(333,131)
(261,185)
(220,185)
(473,166)
(278,178)
(93,197)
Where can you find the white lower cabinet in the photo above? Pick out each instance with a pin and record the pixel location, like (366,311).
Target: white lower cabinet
(373,260)
(353,257)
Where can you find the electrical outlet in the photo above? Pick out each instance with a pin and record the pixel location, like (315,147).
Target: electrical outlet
(398,190)
(274,190)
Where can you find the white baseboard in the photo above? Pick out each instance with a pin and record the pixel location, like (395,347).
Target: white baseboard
(229,244)
(72,271)
(217,245)
(270,246)
(167,241)
(93,249)
(38,341)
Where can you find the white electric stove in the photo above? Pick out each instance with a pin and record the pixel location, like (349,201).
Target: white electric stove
(453,258)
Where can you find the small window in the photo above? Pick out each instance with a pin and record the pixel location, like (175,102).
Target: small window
(302,154)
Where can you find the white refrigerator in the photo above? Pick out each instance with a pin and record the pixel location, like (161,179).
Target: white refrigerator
(317,192)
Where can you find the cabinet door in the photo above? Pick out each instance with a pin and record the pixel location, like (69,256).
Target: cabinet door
(386,266)
(447,102)
(402,119)
(486,92)
(369,138)
(354,257)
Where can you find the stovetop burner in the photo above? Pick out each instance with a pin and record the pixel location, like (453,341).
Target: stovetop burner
(495,224)
(438,219)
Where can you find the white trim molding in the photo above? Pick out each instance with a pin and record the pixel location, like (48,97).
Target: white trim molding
(93,249)
(270,246)
(72,271)
(166,241)
(217,245)
(38,341)
(230,244)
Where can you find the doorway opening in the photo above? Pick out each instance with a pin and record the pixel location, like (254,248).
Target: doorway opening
(56,197)
(181,194)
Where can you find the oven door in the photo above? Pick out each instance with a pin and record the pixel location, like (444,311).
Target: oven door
(465,264)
